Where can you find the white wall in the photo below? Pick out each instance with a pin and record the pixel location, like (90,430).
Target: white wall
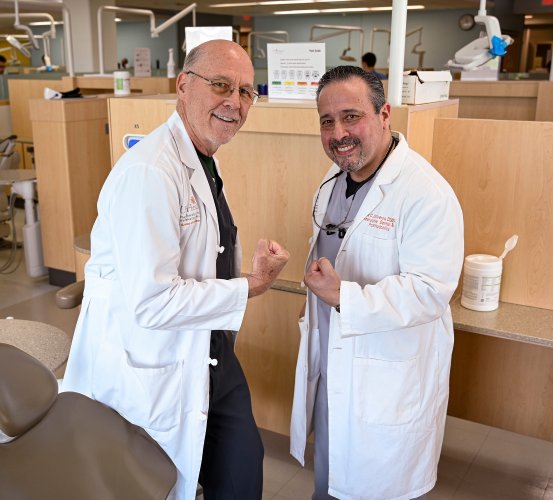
(137,35)
(441,35)
(129,36)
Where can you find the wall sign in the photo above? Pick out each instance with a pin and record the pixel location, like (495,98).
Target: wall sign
(294,69)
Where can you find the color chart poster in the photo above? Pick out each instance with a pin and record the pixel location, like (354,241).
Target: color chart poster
(294,69)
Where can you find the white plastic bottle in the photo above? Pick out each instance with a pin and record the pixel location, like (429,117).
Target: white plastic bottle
(171,65)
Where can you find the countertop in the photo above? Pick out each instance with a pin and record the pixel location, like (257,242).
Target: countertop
(531,325)
(526,324)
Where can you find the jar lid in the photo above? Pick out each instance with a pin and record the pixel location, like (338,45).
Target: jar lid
(483,261)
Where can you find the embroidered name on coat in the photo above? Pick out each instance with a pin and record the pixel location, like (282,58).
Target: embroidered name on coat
(381,222)
(190,213)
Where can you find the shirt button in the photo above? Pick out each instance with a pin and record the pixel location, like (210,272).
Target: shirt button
(213,362)
(220,249)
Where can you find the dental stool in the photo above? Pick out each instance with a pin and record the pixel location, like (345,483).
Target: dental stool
(69,446)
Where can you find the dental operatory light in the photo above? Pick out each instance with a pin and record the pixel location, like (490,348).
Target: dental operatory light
(336,31)
(16,44)
(269,36)
(154,30)
(484,48)
(344,56)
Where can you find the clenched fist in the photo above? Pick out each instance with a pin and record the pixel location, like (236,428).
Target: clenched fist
(323,280)
(268,260)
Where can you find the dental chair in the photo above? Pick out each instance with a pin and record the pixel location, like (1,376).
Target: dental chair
(9,157)
(68,446)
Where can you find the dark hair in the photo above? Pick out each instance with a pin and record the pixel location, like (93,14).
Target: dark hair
(343,73)
(2,58)
(369,59)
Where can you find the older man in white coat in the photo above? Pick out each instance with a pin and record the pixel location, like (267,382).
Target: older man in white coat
(376,340)
(163,300)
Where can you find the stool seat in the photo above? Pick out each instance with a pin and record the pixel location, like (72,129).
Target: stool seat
(48,344)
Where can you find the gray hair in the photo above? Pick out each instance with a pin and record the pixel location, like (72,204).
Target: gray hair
(343,73)
(193,57)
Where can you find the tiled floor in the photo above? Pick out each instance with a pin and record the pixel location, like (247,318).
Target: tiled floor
(477,463)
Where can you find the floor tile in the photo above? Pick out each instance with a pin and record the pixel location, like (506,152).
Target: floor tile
(276,445)
(300,487)
(17,285)
(459,423)
(460,447)
(491,490)
(277,473)
(513,462)
(43,308)
(445,488)
(540,449)
(548,495)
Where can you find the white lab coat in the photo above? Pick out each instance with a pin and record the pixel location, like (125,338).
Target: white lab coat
(142,340)
(389,350)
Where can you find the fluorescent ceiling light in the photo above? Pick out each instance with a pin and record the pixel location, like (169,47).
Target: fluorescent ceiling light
(409,7)
(329,11)
(45,23)
(284,12)
(310,11)
(223,5)
(272,2)
(351,9)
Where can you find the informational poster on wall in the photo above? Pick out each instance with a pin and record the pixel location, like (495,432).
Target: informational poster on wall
(294,69)
(195,35)
(142,62)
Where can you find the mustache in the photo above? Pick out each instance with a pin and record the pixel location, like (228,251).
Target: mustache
(346,141)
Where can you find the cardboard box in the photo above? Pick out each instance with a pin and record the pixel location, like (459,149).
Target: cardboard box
(425,86)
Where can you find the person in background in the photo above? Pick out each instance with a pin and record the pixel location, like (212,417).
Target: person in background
(376,335)
(163,298)
(3,64)
(368,63)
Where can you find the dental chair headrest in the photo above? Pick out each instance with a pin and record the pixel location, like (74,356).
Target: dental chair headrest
(27,390)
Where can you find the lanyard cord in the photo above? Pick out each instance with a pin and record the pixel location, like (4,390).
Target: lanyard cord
(333,227)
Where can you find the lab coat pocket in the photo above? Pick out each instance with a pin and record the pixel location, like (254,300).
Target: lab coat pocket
(386,392)
(371,257)
(148,397)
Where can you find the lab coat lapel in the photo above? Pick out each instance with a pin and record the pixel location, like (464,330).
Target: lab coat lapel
(189,158)
(388,173)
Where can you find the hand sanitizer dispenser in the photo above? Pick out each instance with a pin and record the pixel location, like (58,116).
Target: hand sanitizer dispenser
(171,65)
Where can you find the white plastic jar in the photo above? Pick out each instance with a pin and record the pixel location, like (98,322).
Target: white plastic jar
(121,83)
(481,282)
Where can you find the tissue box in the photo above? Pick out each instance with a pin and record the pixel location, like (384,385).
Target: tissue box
(425,86)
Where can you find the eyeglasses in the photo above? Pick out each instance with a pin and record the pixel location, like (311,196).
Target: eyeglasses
(222,88)
(332,228)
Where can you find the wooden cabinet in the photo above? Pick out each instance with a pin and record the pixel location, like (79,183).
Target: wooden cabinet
(501,172)
(136,115)
(72,161)
(504,100)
